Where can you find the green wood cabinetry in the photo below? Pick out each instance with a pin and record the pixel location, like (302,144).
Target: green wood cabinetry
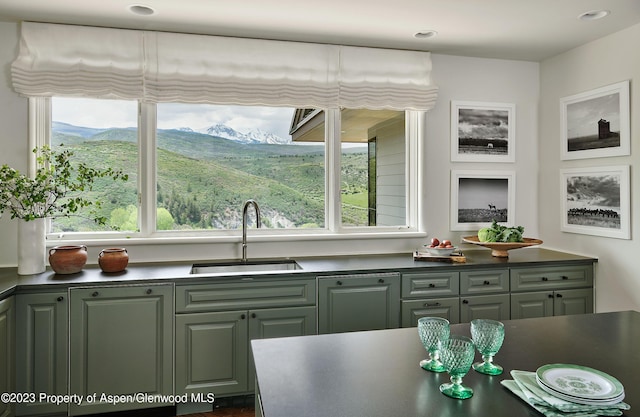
(432,294)
(484,294)
(358,302)
(216,322)
(7,341)
(42,349)
(121,343)
(547,291)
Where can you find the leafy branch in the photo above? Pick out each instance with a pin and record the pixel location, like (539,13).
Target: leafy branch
(58,188)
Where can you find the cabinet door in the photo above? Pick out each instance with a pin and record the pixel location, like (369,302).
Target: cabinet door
(532,304)
(211,353)
(358,302)
(7,361)
(279,322)
(447,308)
(121,341)
(579,301)
(41,354)
(494,307)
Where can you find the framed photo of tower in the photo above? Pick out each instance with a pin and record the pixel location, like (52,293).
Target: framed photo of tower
(595,123)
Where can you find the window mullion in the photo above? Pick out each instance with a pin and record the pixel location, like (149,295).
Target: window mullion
(332,163)
(147,168)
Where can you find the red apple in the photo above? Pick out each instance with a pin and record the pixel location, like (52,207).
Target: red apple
(435,241)
(447,242)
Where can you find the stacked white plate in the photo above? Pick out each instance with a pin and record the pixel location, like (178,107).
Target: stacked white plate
(580,384)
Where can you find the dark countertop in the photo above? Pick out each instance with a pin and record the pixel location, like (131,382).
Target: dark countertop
(376,373)
(179,271)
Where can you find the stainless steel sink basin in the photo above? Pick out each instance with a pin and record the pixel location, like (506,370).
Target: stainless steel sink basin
(250,266)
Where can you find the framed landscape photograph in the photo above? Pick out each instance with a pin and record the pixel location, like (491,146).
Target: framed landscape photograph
(482,132)
(479,197)
(595,201)
(595,123)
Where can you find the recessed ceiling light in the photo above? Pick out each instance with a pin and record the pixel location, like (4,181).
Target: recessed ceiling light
(425,34)
(594,15)
(141,10)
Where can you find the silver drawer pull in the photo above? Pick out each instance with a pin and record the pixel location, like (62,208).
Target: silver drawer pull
(432,304)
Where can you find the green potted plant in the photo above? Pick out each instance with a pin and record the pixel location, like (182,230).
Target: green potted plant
(57,189)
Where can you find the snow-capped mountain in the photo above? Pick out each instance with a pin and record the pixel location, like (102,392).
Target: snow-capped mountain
(254,136)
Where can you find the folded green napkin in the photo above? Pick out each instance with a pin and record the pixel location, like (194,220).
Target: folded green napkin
(525,386)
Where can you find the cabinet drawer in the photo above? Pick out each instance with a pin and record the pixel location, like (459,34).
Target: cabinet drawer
(447,308)
(484,281)
(239,295)
(430,284)
(551,278)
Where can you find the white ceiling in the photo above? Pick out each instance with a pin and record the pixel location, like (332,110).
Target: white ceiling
(509,29)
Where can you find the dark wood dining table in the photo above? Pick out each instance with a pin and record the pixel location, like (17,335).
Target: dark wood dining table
(376,373)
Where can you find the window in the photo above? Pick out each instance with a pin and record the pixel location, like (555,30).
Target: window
(192,166)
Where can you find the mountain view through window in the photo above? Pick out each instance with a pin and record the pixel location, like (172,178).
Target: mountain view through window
(209,161)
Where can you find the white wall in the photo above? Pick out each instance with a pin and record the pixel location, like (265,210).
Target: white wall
(605,61)
(482,80)
(458,78)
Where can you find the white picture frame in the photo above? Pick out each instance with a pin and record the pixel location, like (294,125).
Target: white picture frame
(595,123)
(479,197)
(596,201)
(482,131)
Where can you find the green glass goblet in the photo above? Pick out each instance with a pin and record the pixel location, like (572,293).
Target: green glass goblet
(457,355)
(431,331)
(488,336)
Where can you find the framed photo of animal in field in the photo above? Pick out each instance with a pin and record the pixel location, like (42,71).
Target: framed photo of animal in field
(480,197)
(595,123)
(482,132)
(595,201)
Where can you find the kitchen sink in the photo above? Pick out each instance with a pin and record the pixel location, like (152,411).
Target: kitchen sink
(249,266)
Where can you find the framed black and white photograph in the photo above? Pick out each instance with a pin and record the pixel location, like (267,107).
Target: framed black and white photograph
(482,132)
(595,201)
(595,123)
(479,197)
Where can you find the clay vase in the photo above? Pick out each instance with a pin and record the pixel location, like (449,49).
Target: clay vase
(113,259)
(68,259)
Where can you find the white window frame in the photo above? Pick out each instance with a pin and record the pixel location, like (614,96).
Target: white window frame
(40,135)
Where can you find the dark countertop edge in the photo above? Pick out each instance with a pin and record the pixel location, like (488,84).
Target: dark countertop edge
(162,272)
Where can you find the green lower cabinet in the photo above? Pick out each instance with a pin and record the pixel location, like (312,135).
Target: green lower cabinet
(447,308)
(551,303)
(42,350)
(7,362)
(213,352)
(496,307)
(358,302)
(121,347)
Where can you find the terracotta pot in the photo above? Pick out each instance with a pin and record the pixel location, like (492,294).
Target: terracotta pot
(113,259)
(68,259)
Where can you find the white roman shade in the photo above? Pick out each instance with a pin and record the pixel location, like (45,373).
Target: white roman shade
(63,60)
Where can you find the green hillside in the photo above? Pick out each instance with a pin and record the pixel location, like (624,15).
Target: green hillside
(203,183)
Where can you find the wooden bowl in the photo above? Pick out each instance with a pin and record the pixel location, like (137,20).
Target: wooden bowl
(499,249)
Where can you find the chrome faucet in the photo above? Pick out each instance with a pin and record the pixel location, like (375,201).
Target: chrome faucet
(244,225)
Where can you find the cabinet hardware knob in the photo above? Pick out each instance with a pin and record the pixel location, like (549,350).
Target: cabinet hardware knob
(486,283)
(381,281)
(545,279)
(244,316)
(149,291)
(465,301)
(559,295)
(432,285)
(550,295)
(565,277)
(432,304)
(254,315)
(339,282)
(61,298)
(95,294)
